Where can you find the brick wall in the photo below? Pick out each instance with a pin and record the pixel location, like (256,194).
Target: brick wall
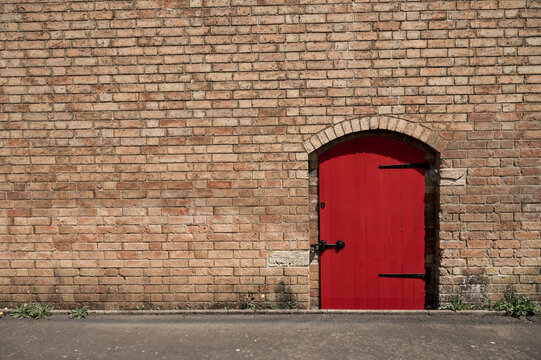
(156,152)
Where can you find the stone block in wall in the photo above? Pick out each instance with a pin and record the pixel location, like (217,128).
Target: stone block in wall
(294,258)
(453,177)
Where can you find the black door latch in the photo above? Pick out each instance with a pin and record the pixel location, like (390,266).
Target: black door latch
(322,245)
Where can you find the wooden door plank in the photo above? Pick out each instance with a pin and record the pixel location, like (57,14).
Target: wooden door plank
(350,224)
(324,229)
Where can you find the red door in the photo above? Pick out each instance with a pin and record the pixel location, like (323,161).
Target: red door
(379,214)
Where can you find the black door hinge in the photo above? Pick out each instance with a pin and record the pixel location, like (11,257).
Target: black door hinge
(424,165)
(425,276)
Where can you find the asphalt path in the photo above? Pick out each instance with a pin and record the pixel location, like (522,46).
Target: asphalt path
(297,336)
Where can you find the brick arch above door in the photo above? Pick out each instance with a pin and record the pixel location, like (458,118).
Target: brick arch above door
(417,131)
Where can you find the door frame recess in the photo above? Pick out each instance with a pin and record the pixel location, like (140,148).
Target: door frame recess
(432,208)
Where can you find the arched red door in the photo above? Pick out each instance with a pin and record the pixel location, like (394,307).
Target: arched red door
(371,193)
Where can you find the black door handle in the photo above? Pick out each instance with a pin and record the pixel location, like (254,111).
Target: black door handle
(322,245)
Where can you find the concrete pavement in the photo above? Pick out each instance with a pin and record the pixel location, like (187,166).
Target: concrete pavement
(260,336)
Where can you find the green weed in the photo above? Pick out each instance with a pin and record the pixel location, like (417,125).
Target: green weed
(248,302)
(78,313)
(515,305)
(457,304)
(34,310)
